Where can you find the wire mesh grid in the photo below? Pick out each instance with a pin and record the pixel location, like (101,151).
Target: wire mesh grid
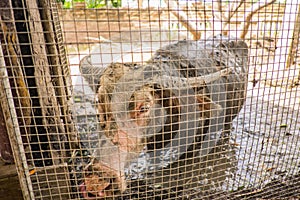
(166,99)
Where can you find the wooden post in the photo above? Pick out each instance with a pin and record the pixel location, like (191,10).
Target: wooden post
(41,93)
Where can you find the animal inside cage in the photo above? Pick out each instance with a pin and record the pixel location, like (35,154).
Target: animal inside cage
(149,99)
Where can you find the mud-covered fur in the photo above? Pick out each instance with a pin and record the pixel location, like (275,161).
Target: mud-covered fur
(143,99)
(182,59)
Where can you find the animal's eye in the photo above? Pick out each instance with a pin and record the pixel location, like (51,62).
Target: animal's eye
(144,108)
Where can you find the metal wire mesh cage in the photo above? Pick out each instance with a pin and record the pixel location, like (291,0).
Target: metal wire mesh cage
(136,99)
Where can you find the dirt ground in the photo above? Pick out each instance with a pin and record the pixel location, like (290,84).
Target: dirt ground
(267,136)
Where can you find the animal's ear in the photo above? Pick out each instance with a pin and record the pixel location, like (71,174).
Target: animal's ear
(208,107)
(90,73)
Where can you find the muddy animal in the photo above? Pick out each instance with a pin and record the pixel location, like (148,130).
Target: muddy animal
(141,106)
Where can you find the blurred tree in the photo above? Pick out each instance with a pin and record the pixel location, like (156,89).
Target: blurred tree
(221,18)
(289,38)
(289,34)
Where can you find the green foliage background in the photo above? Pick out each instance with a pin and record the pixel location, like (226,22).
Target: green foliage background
(92,3)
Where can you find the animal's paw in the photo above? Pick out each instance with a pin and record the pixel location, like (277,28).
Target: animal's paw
(103,182)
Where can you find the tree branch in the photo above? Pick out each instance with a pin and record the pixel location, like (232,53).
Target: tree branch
(183,19)
(232,13)
(222,16)
(252,11)
(219,5)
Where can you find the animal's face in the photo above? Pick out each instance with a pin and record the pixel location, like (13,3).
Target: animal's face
(140,106)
